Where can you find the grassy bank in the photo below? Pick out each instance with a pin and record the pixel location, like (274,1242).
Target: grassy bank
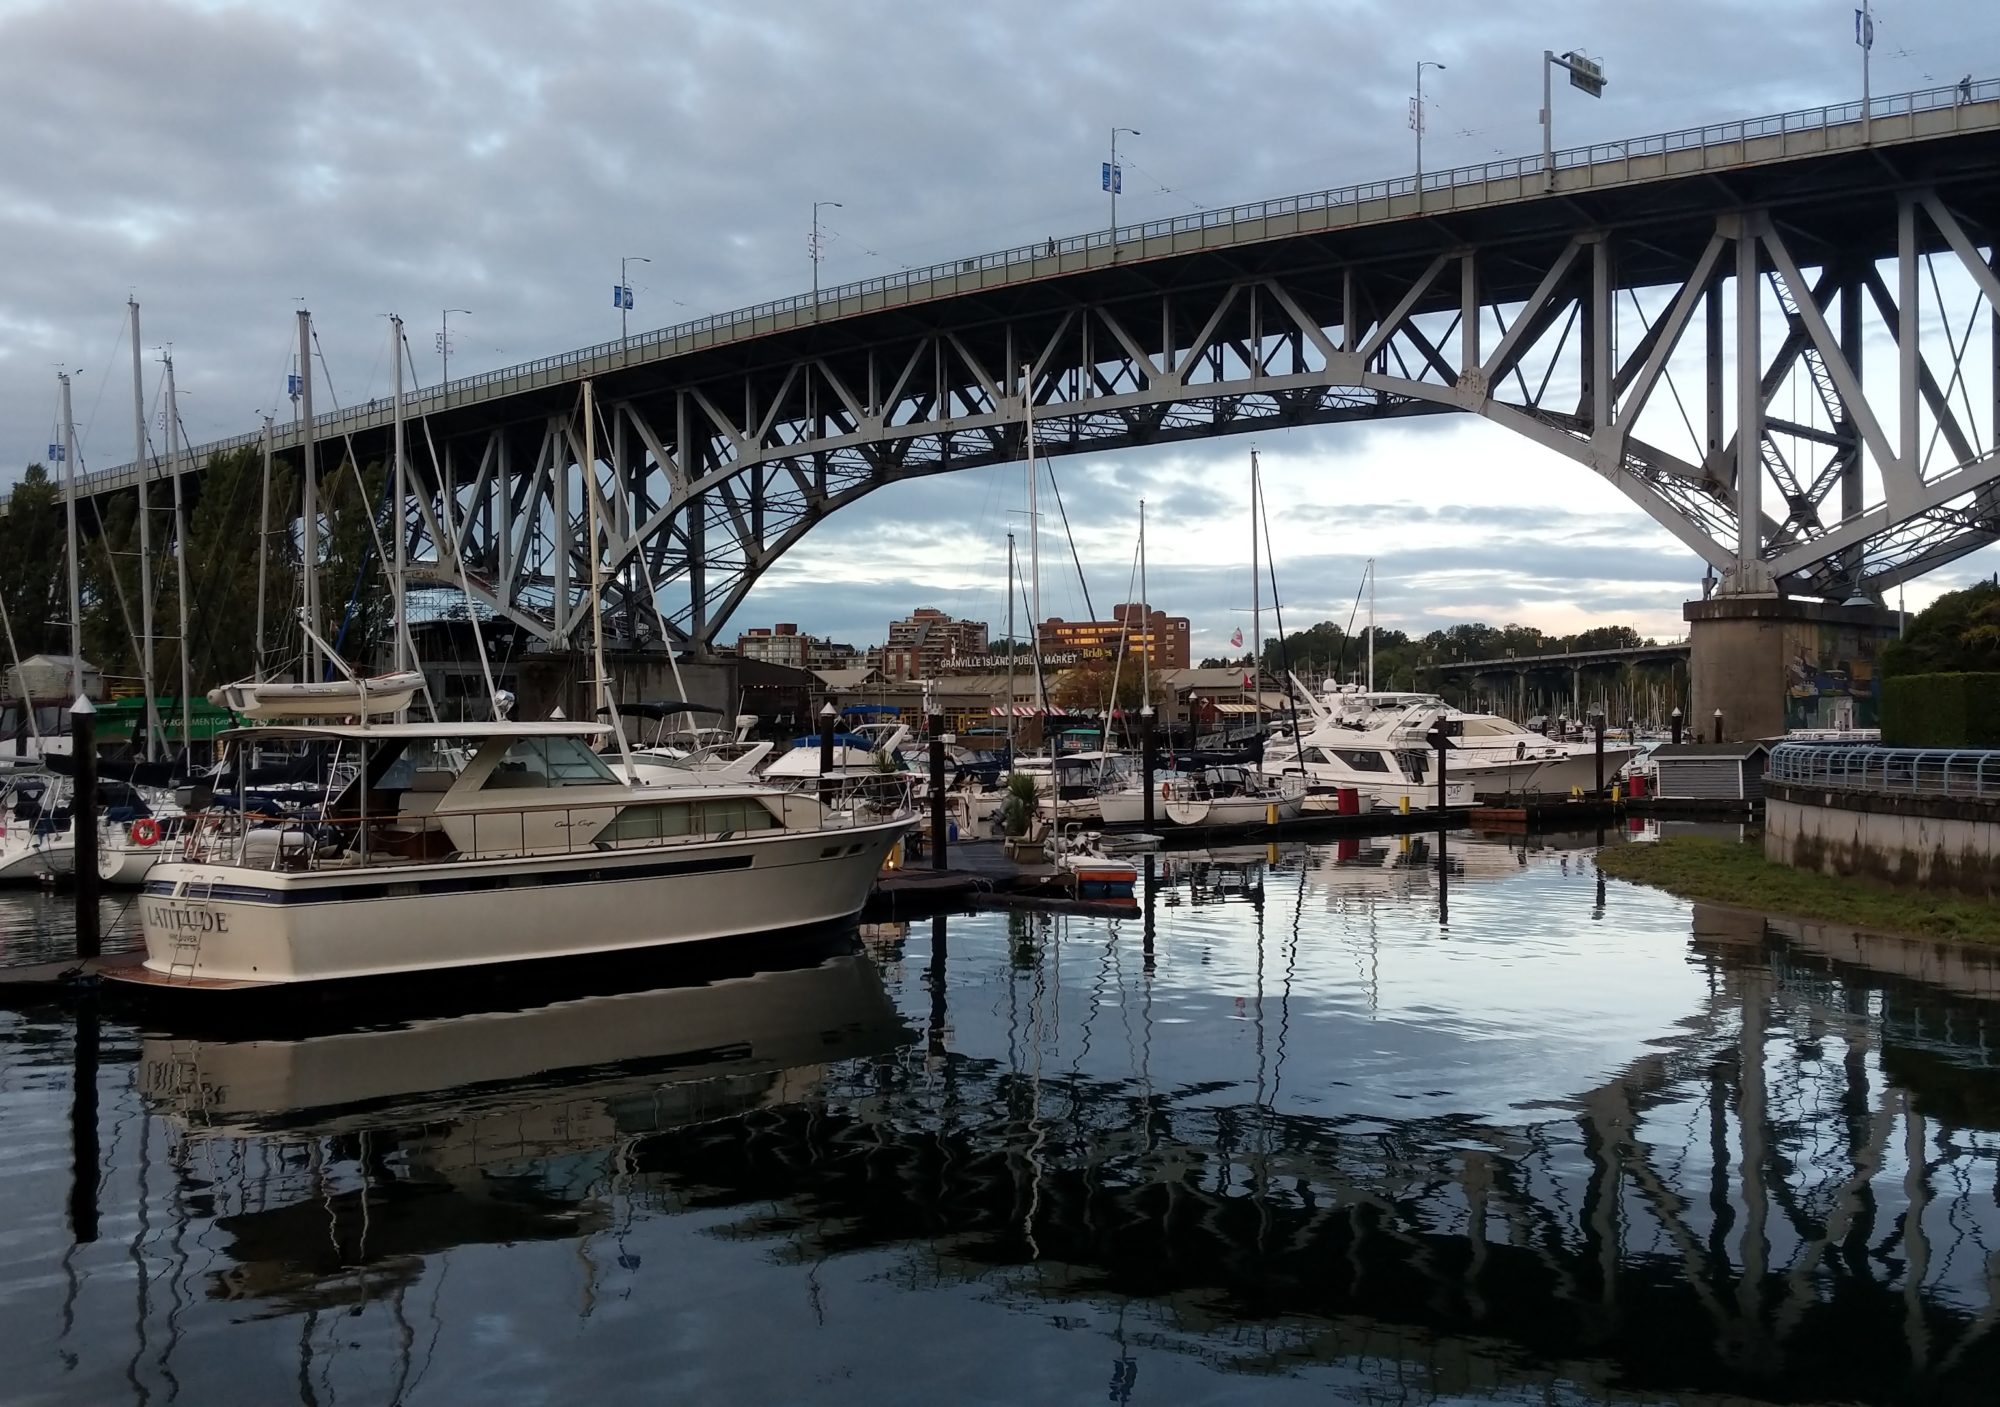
(1725,872)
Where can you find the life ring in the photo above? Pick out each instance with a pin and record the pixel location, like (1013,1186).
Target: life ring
(1166,791)
(145,831)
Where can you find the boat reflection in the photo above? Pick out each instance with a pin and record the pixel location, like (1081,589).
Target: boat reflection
(391,1145)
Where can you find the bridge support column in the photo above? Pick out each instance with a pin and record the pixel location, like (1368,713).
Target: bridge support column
(1772,663)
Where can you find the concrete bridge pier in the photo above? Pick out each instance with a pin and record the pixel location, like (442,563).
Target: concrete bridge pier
(1773,663)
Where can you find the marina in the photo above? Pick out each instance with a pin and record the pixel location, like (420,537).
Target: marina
(1124,1150)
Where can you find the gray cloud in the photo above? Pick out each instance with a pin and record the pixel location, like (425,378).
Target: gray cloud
(221,162)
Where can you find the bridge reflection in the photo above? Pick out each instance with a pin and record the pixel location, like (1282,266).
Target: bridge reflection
(1789,1196)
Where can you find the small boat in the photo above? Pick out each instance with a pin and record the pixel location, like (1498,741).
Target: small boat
(328,698)
(461,845)
(36,844)
(1079,856)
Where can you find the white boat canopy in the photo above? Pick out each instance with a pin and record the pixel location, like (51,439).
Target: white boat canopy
(379,732)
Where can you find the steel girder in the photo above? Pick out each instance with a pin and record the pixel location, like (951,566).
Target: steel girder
(1579,344)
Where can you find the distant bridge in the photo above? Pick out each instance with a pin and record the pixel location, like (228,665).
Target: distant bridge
(1670,653)
(1554,300)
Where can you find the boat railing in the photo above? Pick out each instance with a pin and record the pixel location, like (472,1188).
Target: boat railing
(529,831)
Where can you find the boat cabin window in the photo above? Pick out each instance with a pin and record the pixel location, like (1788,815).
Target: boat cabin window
(1360,759)
(670,820)
(549,762)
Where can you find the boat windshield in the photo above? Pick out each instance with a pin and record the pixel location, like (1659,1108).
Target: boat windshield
(550,762)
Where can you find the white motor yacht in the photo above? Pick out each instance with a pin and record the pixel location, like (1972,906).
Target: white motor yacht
(1384,775)
(1498,756)
(1209,798)
(36,843)
(1071,786)
(531,850)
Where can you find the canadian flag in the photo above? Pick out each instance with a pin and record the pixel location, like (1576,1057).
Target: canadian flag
(1237,638)
(1246,681)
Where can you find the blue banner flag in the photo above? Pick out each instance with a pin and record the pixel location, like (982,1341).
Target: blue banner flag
(292,385)
(1864,29)
(621,296)
(56,454)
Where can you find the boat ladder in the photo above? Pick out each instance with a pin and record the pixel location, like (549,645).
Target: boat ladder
(187,941)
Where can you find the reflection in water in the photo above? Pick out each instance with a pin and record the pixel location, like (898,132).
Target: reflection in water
(1593,1148)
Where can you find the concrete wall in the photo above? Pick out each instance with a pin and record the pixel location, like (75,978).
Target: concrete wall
(1773,662)
(1918,842)
(548,680)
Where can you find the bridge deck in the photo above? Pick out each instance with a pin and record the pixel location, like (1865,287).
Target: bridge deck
(1641,180)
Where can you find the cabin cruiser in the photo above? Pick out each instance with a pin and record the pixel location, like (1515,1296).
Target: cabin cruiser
(36,843)
(869,775)
(532,849)
(1208,797)
(1384,774)
(1498,756)
(686,754)
(1070,786)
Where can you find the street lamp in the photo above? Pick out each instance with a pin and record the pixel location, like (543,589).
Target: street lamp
(444,342)
(1114,178)
(625,289)
(1417,121)
(813,243)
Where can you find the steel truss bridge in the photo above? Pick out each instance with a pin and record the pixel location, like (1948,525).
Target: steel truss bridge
(1777,336)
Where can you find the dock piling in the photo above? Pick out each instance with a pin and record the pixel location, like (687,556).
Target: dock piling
(939,831)
(83,822)
(1148,764)
(1597,730)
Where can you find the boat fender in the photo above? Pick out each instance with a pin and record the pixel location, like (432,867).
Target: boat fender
(145,831)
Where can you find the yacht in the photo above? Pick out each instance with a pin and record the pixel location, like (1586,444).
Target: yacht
(1208,798)
(1498,756)
(531,849)
(36,843)
(1385,774)
(1071,786)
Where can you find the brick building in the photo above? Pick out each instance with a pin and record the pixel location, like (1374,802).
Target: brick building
(1152,632)
(924,644)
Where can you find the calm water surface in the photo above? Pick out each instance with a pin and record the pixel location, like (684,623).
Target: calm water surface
(1285,1137)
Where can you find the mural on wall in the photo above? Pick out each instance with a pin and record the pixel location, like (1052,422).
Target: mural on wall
(1830,677)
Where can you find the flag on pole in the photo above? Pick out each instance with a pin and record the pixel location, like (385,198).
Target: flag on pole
(292,385)
(1236,638)
(56,454)
(621,295)
(1864,29)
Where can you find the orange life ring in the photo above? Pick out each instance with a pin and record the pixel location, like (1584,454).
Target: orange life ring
(145,831)
(1166,791)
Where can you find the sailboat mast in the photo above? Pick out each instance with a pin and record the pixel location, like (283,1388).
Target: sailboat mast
(401,649)
(263,551)
(1256,606)
(180,563)
(1010,649)
(1371,625)
(604,703)
(308,504)
(1145,604)
(75,577)
(1034,519)
(140,462)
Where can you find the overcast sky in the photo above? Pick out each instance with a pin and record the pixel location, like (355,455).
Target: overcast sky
(221,162)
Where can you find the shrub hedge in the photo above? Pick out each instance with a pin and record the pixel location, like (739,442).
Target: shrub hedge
(1941,710)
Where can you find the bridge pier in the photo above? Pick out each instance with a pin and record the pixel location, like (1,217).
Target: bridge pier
(1773,663)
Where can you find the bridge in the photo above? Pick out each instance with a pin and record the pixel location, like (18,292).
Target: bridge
(1698,317)
(1505,682)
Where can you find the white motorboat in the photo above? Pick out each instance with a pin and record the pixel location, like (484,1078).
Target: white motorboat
(1384,775)
(720,764)
(263,701)
(128,850)
(1080,856)
(36,843)
(1071,786)
(531,850)
(1498,756)
(1209,798)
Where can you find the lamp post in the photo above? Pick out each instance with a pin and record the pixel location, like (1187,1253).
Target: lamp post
(625,290)
(1417,121)
(813,245)
(444,342)
(1114,179)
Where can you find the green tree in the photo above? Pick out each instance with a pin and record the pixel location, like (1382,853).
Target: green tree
(1958,634)
(1088,686)
(33,569)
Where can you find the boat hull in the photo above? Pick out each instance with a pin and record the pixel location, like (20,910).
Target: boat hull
(231,924)
(1548,776)
(31,863)
(127,866)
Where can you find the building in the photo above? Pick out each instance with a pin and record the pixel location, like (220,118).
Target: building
(925,644)
(1145,632)
(784,644)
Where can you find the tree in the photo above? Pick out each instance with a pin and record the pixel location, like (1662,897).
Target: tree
(1088,687)
(33,569)
(1958,634)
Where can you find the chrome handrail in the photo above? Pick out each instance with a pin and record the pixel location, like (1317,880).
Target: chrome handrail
(1972,773)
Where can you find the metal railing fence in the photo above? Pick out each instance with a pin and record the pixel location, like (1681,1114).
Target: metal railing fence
(1708,135)
(1885,771)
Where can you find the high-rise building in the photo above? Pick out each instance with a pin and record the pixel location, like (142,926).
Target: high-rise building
(784,644)
(1145,631)
(924,644)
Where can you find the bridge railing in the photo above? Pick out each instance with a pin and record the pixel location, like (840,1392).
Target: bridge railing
(1889,771)
(1712,134)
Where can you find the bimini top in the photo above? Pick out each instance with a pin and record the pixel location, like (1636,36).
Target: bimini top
(380,732)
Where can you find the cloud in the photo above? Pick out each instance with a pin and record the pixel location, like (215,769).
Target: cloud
(371,156)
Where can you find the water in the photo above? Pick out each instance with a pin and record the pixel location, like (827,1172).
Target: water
(1290,1139)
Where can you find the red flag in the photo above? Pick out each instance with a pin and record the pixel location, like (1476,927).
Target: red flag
(1237,638)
